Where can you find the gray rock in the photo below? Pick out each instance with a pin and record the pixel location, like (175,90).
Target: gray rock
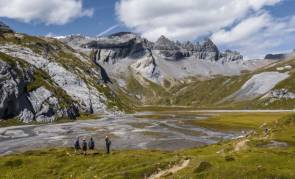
(147,68)
(89,99)
(38,97)
(26,116)
(177,51)
(9,91)
(230,56)
(279,94)
(164,43)
(46,114)
(207,51)
(169,49)
(118,46)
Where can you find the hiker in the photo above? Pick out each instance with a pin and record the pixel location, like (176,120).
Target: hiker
(108,144)
(77,145)
(91,144)
(84,146)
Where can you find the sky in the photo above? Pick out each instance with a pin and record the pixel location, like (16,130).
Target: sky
(252,27)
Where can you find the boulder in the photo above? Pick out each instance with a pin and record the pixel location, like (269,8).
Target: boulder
(26,116)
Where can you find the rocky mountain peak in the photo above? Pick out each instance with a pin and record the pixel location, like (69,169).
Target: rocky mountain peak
(163,43)
(5,28)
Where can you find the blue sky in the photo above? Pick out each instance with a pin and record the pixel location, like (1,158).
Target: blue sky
(103,18)
(253,27)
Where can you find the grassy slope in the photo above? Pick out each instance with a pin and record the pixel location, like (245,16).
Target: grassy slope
(237,121)
(55,163)
(254,160)
(208,93)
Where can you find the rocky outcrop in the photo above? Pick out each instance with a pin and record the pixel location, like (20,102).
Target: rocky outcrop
(207,51)
(176,50)
(147,68)
(11,90)
(89,99)
(118,46)
(40,105)
(279,94)
(4,28)
(258,85)
(230,56)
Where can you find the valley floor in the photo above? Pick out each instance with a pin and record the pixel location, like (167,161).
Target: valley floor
(265,149)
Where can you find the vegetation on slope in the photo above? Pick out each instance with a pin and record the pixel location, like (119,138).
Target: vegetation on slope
(61,53)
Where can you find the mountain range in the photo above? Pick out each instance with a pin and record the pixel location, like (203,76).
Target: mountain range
(45,79)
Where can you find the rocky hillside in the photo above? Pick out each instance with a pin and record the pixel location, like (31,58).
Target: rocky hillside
(189,74)
(43,79)
(46,79)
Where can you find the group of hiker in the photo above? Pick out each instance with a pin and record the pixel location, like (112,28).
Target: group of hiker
(90,145)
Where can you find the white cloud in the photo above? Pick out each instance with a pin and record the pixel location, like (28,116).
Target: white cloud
(46,11)
(242,25)
(258,34)
(243,30)
(184,19)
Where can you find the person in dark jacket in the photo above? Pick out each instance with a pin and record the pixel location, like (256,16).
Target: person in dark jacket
(77,145)
(84,146)
(108,144)
(91,144)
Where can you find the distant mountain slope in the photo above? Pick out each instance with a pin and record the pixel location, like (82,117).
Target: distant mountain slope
(45,79)
(175,73)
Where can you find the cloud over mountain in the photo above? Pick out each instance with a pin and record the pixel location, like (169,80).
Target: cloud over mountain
(244,25)
(57,12)
(186,19)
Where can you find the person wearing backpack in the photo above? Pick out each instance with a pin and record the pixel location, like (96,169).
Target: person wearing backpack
(77,145)
(108,144)
(84,146)
(91,144)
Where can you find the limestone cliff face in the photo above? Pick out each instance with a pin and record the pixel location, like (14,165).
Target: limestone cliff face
(16,101)
(43,79)
(122,45)
(119,53)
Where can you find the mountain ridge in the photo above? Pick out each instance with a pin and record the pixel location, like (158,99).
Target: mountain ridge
(46,79)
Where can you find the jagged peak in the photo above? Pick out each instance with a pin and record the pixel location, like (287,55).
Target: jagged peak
(163,39)
(163,43)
